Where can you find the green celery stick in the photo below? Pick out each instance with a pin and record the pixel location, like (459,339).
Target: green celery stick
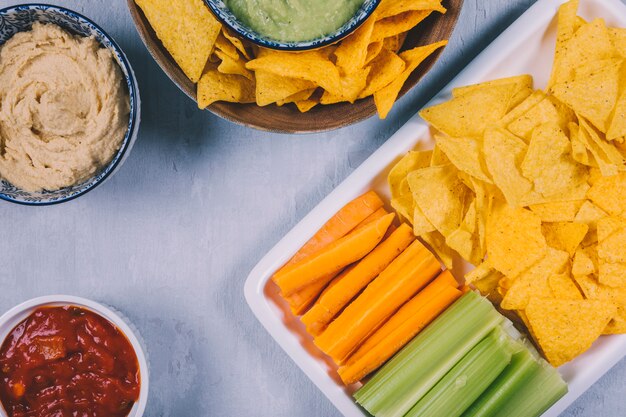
(521,369)
(468,379)
(409,375)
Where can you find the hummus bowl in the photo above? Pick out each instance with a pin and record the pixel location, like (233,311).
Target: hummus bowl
(230,20)
(21,18)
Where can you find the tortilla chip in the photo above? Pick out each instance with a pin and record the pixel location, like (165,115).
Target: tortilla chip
(397,24)
(585,261)
(215,86)
(466,154)
(437,243)
(522,82)
(549,165)
(388,8)
(503,150)
(618,324)
(386,97)
(352,52)
(306,105)
(385,68)
(313,66)
(228,65)
(300,96)
(373,49)
(593,91)
(271,88)
(559,211)
(470,114)
(351,85)
(617,125)
(237,43)
(514,240)
(440,183)
(534,282)
(563,287)
(187,29)
(565,32)
(564,236)
(543,112)
(608,194)
(611,254)
(565,329)
(401,196)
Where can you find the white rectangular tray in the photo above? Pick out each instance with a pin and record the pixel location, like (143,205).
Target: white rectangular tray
(527,46)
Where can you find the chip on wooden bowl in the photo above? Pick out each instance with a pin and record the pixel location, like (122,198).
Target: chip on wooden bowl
(296,92)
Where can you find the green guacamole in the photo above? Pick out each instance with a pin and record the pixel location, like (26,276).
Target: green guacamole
(294,20)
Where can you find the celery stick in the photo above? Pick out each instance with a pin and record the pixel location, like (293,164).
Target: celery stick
(409,375)
(468,379)
(521,369)
(539,392)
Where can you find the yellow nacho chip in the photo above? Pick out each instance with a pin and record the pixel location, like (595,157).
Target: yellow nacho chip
(386,97)
(514,240)
(394,43)
(466,155)
(440,183)
(611,254)
(543,112)
(564,236)
(503,151)
(401,196)
(565,32)
(384,69)
(397,24)
(271,88)
(585,261)
(228,65)
(437,243)
(306,105)
(237,43)
(373,49)
(618,324)
(312,66)
(563,287)
(593,91)
(352,52)
(470,114)
(534,282)
(300,96)
(608,194)
(351,86)
(187,29)
(388,8)
(589,44)
(226,46)
(523,82)
(549,165)
(566,328)
(215,86)
(558,211)
(486,279)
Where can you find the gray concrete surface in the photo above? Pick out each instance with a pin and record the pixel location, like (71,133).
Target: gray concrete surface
(171,238)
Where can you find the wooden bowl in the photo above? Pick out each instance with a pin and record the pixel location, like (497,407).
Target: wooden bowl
(288,119)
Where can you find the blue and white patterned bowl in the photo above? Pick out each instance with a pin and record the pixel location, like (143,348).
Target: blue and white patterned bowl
(20,18)
(223,13)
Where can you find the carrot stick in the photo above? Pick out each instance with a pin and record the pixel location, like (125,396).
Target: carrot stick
(302,299)
(334,257)
(348,285)
(339,225)
(377,302)
(401,328)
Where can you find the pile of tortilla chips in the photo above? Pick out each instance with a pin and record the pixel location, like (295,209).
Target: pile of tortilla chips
(226,68)
(530,186)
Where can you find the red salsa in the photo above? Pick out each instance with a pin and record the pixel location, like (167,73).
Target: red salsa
(68,362)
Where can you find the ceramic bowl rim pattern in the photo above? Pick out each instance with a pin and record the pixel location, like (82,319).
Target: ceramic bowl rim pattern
(20,312)
(106,41)
(228,19)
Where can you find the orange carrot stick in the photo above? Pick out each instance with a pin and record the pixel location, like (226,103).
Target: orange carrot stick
(302,299)
(377,302)
(333,258)
(401,328)
(339,225)
(348,285)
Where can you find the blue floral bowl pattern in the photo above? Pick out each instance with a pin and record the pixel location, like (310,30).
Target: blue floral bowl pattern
(224,14)
(21,18)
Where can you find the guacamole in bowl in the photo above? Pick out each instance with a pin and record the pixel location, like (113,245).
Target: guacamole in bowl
(293,24)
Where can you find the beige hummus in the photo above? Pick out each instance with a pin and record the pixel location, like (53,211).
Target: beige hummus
(63,108)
